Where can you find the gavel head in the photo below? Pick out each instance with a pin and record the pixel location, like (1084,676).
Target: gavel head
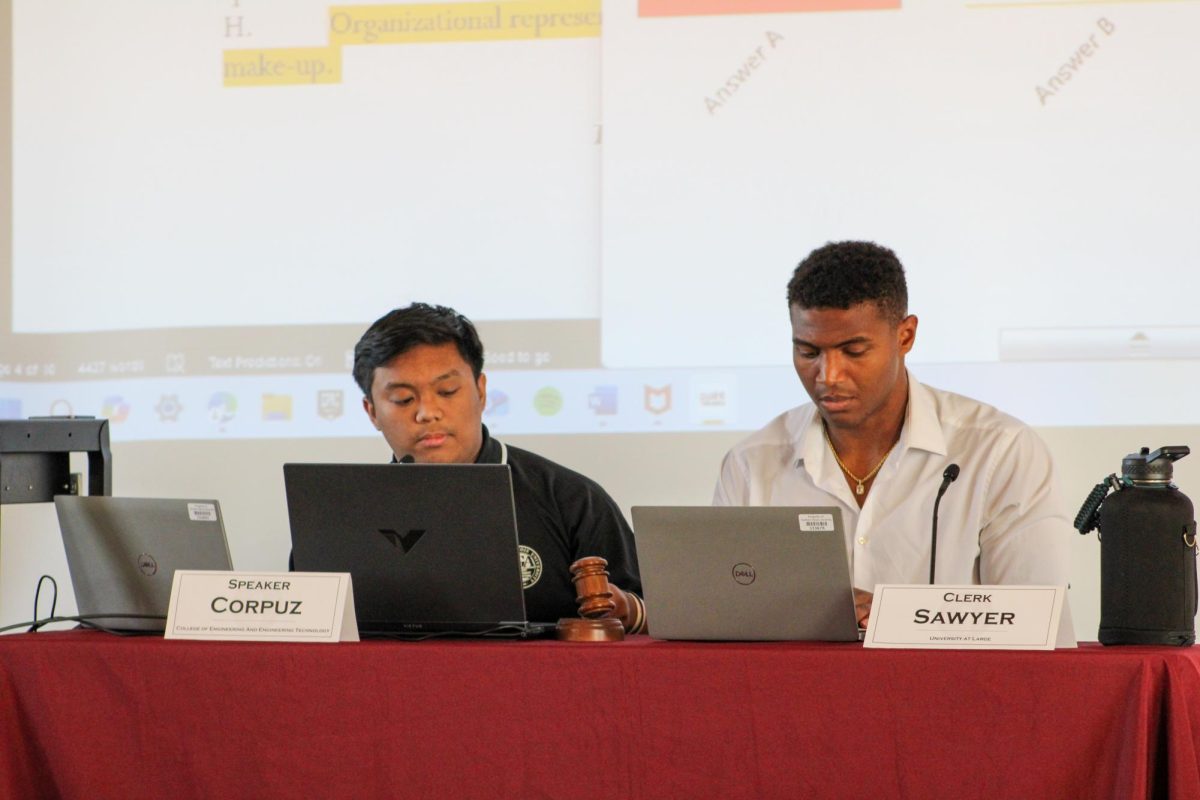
(592,590)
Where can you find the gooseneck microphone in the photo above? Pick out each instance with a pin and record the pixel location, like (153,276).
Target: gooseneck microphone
(948,477)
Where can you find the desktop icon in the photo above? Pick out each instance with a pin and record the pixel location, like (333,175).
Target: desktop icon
(548,401)
(114,408)
(168,408)
(603,400)
(62,408)
(713,399)
(657,400)
(276,407)
(222,408)
(331,403)
(497,404)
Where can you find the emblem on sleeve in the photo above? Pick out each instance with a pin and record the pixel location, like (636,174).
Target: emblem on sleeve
(531,567)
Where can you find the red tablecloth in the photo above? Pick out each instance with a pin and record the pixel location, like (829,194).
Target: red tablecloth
(92,715)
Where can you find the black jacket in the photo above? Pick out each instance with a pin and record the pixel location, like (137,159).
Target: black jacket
(561,516)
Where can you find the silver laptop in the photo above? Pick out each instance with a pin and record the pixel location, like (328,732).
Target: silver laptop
(122,553)
(745,573)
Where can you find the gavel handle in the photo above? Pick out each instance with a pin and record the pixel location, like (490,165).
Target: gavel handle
(630,610)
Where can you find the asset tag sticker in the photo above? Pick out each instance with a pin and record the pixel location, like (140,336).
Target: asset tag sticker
(202,512)
(816,522)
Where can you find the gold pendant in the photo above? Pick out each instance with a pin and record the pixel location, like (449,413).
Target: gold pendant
(859,490)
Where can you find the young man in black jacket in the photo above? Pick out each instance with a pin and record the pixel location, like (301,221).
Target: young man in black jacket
(420,369)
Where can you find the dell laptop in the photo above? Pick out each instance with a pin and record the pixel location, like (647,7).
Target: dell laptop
(122,553)
(431,548)
(745,573)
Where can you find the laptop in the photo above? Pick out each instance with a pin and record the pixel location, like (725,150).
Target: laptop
(122,553)
(745,573)
(430,548)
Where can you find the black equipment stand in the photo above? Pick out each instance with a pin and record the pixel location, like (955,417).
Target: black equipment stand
(35,458)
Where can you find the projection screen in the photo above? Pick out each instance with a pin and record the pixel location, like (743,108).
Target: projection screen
(209,201)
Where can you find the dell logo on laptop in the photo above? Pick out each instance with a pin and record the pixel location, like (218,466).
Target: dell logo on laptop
(405,542)
(146,564)
(744,574)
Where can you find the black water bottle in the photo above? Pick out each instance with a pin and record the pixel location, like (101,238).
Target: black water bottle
(1147,531)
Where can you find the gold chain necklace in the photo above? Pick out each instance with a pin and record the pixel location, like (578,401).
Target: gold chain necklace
(845,469)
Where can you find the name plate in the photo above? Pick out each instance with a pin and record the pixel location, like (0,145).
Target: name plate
(262,606)
(967,617)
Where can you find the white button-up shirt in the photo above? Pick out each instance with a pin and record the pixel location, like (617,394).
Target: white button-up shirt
(1002,521)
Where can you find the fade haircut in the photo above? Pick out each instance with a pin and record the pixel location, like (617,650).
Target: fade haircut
(403,329)
(844,274)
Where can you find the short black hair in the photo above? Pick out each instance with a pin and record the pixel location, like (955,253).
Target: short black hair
(844,274)
(402,329)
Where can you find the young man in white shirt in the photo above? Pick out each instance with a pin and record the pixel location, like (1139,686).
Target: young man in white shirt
(875,442)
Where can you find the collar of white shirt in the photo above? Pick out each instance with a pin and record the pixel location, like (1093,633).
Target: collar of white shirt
(922,430)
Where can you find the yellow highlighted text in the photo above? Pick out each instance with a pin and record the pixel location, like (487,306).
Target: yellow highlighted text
(285,66)
(464,22)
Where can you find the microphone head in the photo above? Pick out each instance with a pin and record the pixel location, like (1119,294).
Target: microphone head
(951,473)
(408,459)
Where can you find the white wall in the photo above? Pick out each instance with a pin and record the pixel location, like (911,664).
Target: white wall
(636,469)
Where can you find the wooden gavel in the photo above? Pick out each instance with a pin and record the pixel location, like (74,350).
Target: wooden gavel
(607,612)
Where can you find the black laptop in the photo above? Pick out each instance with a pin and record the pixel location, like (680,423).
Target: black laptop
(431,548)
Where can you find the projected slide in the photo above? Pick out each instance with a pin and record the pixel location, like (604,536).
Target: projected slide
(1033,164)
(259,162)
(211,199)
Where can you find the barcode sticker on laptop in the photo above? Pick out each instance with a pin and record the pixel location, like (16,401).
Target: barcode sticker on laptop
(202,512)
(816,522)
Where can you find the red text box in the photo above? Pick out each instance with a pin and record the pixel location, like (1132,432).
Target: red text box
(692,8)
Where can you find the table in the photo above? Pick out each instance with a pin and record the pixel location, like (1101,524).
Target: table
(86,714)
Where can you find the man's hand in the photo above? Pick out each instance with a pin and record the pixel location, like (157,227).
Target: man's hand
(862,607)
